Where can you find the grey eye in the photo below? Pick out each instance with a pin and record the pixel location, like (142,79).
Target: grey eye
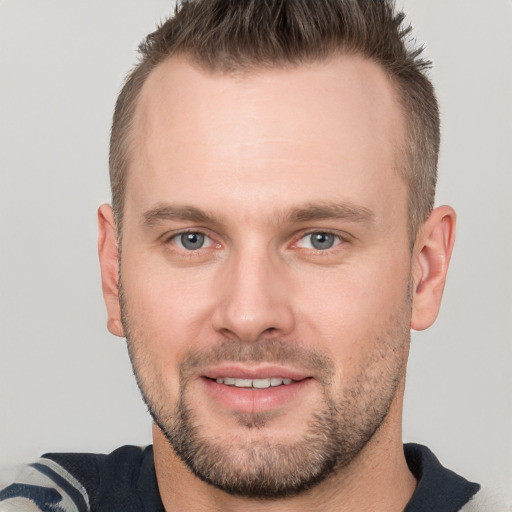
(319,241)
(322,240)
(192,241)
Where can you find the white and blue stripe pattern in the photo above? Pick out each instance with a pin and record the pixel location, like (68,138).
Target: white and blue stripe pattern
(44,486)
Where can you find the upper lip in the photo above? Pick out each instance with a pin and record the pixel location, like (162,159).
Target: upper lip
(259,371)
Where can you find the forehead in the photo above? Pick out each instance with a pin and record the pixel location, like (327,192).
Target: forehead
(326,128)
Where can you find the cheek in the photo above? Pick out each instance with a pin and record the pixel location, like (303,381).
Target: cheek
(165,318)
(353,309)
(163,299)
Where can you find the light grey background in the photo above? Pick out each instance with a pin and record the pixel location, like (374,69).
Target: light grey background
(66,384)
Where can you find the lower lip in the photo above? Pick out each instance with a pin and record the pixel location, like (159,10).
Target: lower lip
(251,400)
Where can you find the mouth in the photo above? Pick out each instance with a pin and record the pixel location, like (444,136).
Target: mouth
(254,383)
(254,390)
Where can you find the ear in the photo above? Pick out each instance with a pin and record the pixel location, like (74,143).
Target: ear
(431,257)
(109,263)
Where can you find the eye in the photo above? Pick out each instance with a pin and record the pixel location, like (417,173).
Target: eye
(192,240)
(319,240)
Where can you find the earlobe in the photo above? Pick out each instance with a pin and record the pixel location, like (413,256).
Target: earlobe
(109,263)
(431,257)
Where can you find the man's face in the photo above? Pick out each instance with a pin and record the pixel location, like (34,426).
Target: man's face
(266,267)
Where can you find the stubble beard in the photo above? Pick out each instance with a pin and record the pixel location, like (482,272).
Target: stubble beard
(263,469)
(338,430)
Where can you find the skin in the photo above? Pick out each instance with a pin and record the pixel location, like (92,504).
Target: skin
(251,150)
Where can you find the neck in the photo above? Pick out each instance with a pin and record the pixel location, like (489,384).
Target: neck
(378,479)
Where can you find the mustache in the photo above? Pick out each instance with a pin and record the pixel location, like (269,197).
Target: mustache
(265,350)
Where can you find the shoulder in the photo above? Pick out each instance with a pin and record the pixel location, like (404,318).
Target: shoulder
(488,499)
(42,485)
(69,482)
(442,490)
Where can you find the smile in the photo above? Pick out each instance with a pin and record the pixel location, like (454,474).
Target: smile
(255,390)
(254,383)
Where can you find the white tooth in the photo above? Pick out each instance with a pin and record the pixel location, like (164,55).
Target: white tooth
(243,383)
(253,383)
(261,383)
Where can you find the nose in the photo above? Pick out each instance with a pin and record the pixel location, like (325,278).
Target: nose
(254,298)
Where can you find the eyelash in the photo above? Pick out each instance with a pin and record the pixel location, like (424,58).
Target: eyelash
(339,240)
(175,236)
(338,237)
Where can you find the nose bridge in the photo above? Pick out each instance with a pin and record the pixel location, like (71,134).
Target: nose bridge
(253,299)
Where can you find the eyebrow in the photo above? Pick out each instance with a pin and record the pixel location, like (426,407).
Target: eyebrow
(163,212)
(310,212)
(342,211)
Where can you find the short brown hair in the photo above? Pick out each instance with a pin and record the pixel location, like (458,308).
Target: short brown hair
(226,35)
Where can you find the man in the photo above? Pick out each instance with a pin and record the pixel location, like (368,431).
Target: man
(271,243)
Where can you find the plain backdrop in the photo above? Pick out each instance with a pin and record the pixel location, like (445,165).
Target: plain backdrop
(67,385)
